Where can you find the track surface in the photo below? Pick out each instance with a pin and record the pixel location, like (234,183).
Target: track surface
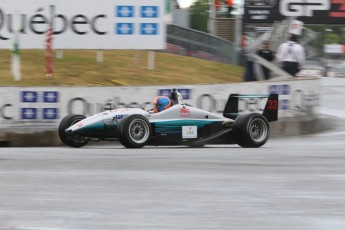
(295,183)
(290,183)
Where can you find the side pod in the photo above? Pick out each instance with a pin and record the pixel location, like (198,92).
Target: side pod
(270,110)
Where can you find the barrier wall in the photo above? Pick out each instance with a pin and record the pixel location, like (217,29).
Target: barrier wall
(30,116)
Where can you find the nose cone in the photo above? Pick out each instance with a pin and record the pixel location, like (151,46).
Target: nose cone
(75,129)
(87,125)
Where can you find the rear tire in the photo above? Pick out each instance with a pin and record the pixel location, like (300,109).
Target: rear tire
(69,139)
(250,130)
(134,131)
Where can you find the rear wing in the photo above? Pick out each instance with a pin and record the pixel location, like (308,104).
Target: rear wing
(270,111)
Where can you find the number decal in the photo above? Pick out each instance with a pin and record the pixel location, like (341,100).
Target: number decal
(273,104)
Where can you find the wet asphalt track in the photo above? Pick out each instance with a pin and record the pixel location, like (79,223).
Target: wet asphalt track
(294,183)
(290,183)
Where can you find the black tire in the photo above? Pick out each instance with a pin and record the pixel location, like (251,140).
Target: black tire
(69,139)
(250,130)
(134,131)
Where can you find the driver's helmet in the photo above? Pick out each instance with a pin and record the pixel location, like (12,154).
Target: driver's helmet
(161,103)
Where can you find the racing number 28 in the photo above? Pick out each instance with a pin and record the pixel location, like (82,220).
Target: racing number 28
(272,104)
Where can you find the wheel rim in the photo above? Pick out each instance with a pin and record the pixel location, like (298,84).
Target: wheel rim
(258,130)
(138,131)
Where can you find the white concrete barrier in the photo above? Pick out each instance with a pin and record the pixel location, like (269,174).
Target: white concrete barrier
(26,113)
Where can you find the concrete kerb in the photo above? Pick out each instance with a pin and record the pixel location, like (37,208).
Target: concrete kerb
(29,137)
(295,126)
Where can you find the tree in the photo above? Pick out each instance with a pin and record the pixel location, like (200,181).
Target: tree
(199,15)
(332,38)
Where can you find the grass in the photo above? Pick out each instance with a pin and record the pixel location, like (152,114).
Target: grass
(120,67)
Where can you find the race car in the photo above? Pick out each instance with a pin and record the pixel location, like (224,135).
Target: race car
(180,124)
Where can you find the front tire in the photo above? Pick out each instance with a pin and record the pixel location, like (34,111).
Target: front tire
(250,130)
(134,131)
(70,139)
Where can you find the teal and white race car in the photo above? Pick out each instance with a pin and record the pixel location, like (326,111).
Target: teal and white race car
(180,124)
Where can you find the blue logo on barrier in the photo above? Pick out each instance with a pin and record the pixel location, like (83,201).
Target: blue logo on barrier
(284,104)
(125,11)
(149,11)
(29,113)
(279,89)
(164,92)
(38,98)
(50,97)
(29,96)
(149,28)
(124,28)
(50,113)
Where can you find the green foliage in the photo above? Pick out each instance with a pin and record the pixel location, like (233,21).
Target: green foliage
(332,38)
(199,15)
(126,67)
(327,34)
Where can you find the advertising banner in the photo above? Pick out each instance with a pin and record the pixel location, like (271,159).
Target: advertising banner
(85,24)
(48,105)
(296,27)
(307,11)
(334,49)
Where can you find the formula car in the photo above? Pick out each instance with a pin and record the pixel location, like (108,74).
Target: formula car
(181,124)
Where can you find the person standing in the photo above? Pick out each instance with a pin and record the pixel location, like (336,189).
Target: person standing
(291,55)
(249,73)
(230,6)
(266,53)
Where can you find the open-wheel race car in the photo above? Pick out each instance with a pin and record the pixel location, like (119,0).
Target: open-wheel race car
(180,124)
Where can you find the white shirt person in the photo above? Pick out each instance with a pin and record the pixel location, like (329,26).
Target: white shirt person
(292,55)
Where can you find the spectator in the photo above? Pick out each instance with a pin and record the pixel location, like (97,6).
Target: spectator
(243,41)
(217,4)
(266,53)
(249,74)
(230,6)
(291,55)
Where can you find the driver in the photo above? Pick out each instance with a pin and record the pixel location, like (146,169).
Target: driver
(161,103)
